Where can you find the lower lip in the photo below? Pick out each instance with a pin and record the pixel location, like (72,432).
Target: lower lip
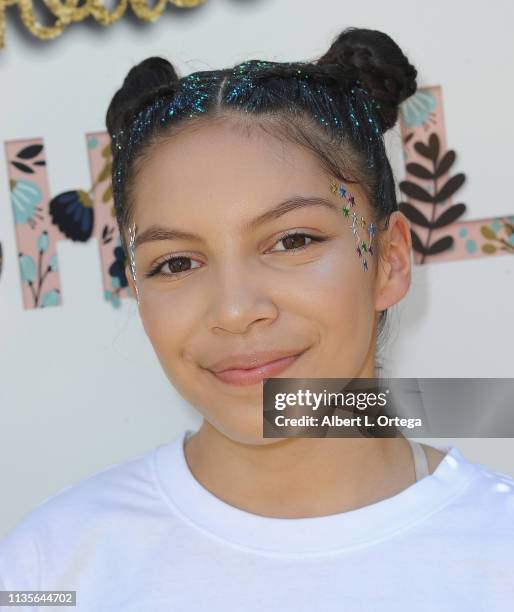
(255,375)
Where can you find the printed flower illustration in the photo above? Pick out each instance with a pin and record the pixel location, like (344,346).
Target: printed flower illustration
(73,213)
(25,160)
(25,197)
(118,276)
(417,109)
(35,275)
(433,195)
(117,268)
(499,240)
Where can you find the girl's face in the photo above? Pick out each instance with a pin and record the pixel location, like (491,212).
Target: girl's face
(238,286)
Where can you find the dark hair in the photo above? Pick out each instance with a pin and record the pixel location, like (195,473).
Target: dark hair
(338,106)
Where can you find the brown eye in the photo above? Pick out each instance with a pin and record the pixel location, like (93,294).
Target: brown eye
(172,266)
(296,241)
(178,264)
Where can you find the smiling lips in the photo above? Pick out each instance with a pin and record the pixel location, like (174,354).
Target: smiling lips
(268,365)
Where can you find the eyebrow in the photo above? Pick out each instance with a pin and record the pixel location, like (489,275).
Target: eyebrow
(156,233)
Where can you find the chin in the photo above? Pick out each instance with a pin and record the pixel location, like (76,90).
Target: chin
(241,428)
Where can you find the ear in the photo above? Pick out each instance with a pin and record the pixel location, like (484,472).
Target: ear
(394,262)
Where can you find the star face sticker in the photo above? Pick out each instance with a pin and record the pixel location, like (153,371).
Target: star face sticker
(362,247)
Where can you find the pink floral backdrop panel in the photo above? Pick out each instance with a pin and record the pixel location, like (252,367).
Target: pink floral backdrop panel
(36,234)
(438,231)
(42,220)
(115,284)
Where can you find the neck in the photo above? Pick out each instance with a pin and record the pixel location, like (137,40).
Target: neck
(299,477)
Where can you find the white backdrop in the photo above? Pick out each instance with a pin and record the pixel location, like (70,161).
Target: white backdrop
(80,387)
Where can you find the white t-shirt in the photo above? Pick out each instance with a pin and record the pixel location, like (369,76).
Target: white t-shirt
(144,536)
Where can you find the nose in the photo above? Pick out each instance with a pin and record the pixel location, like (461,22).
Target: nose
(241,297)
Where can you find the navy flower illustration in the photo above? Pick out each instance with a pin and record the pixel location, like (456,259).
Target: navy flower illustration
(117,268)
(118,276)
(73,213)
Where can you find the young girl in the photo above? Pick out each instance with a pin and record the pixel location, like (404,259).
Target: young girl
(258,213)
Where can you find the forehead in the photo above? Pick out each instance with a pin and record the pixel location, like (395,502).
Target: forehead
(224,163)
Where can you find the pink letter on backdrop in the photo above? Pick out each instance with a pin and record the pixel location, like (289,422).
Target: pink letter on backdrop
(436,234)
(36,236)
(78,215)
(111,252)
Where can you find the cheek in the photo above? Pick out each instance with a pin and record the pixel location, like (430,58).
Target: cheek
(337,297)
(170,324)
(165,323)
(335,289)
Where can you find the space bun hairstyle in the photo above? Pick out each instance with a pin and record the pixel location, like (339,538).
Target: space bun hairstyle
(338,106)
(151,78)
(372,59)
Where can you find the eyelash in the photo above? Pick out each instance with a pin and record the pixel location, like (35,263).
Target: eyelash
(156,270)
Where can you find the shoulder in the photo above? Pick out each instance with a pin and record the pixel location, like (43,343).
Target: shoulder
(485,504)
(71,515)
(492,493)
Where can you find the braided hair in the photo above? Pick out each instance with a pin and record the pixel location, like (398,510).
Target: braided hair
(338,106)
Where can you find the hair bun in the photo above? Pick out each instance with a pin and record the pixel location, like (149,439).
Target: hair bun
(372,59)
(148,79)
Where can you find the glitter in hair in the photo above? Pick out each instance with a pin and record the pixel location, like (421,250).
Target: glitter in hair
(245,86)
